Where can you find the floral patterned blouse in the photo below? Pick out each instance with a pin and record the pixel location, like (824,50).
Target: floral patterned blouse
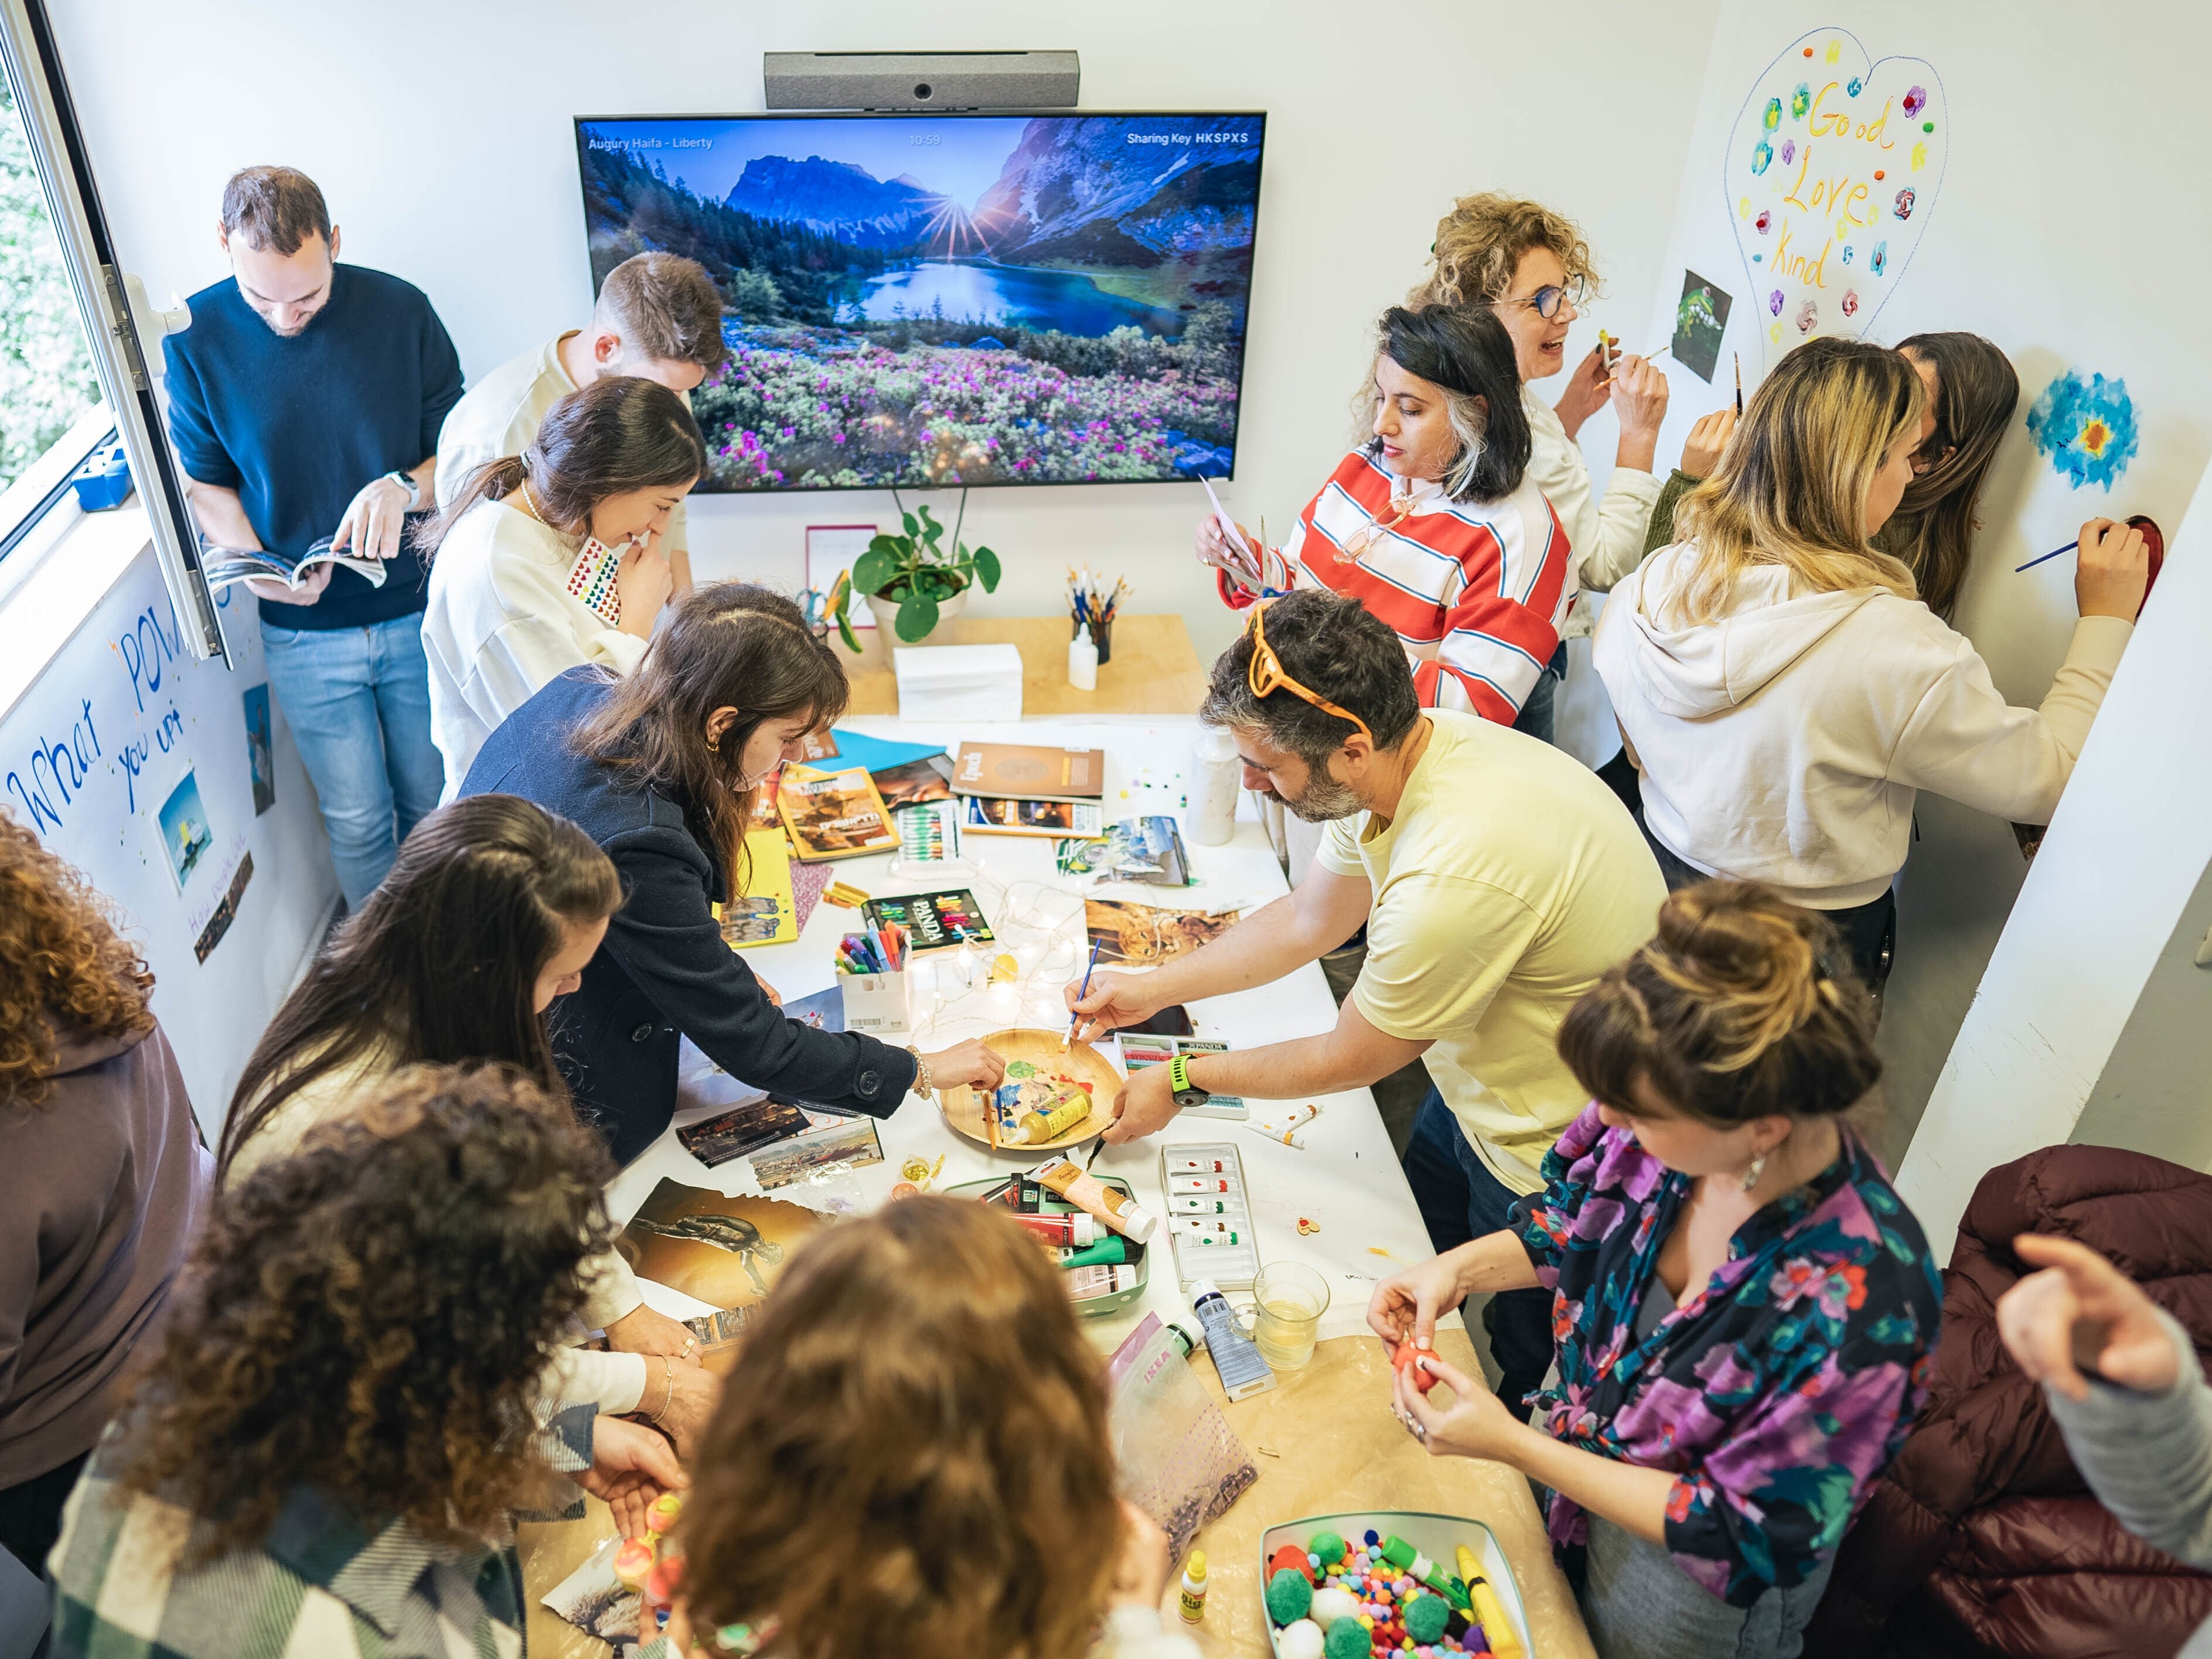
(1775,1394)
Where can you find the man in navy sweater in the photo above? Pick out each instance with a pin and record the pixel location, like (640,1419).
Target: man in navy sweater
(305,401)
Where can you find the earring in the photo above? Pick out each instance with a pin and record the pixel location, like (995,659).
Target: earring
(1751,1174)
(714,745)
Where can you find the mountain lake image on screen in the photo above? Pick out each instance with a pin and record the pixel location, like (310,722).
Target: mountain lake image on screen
(934,300)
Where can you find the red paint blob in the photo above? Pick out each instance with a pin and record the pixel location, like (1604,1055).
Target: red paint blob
(1403,1360)
(1808,51)
(1877,174)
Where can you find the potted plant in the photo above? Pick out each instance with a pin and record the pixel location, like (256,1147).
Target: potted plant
(911,583)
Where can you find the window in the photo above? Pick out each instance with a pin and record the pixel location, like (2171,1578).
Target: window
(47,378)
(52,225)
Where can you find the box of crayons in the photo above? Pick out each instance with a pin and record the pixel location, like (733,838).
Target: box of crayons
(872,979)
(933,921)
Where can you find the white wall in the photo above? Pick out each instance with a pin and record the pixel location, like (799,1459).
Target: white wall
(441,134)
(2058,243)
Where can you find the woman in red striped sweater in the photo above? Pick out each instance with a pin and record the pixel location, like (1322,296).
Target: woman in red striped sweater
(1432,523)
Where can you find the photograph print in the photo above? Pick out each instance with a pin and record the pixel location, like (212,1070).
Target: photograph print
(935,300)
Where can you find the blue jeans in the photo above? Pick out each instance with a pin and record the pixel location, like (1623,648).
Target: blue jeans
(1460,1200)
(1536,716)
(358,700)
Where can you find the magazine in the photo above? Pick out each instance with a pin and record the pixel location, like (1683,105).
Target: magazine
(995,815)
(1148,850)
(912,784)
(836,814)
(1124,932)
(226,566)
(1029,772)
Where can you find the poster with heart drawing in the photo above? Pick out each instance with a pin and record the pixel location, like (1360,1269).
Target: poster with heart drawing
(1832,170)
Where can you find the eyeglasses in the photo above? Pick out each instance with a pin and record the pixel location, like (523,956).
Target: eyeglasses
(1546,301)
(1267,675)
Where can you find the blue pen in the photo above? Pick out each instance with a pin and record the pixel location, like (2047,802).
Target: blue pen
(1074,1019)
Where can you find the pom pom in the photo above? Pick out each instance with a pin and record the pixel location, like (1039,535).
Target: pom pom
(1427,1617)
(1345,1640)
(1290,1557)
(1299,1640)
(1331,1605)
(1329,1546)
(1290,1597)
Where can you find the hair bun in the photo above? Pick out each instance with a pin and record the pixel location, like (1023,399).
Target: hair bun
(1756,959)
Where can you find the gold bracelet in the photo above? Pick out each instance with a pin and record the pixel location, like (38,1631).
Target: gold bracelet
(668,1398)
(920,1085)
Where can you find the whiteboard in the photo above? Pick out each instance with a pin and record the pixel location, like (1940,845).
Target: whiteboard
(2068,240)
(134,762)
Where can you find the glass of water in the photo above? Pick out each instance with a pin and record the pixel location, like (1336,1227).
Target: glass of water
(1288,1299)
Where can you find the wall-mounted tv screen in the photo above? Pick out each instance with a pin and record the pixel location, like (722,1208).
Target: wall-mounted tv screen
(935,300)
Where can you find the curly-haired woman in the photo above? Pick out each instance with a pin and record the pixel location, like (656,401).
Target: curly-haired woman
(105,1177)
(1743,1309)
(914,1445)
(329,1451)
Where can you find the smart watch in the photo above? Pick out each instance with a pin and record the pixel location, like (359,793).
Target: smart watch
(1186,1093)
(406,481)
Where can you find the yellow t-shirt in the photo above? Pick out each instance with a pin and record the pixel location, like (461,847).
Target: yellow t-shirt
(1510,879)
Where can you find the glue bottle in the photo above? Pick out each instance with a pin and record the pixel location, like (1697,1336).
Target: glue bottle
(1192,1601)
(1218,775)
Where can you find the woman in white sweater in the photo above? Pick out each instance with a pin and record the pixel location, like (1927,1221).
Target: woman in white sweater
(1781,687)
(549,560)
(491,912)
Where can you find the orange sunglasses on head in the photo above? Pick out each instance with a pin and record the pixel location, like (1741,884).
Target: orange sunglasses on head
(1267,675)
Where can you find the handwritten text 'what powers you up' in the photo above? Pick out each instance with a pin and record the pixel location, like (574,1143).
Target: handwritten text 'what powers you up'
(66,758)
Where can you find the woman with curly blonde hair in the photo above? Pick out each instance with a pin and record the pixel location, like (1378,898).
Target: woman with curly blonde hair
(912,1456)
(329,1452)
(106,1177)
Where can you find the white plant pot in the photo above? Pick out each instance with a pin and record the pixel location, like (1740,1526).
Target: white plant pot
(886,613)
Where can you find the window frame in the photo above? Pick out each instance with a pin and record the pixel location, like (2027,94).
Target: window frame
(117,334)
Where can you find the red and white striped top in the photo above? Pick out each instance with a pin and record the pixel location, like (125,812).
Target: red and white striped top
(1476,590)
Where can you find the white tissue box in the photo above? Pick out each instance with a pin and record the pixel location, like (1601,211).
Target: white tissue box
(959,683)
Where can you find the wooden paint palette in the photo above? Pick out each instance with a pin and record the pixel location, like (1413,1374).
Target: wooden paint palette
(964,1108)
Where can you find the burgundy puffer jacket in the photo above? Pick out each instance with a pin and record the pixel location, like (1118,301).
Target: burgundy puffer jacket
(1981,1539)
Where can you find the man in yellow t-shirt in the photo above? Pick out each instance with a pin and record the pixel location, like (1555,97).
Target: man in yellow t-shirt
(1497,877)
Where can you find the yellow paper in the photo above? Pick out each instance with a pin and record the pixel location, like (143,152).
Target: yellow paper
(766,914)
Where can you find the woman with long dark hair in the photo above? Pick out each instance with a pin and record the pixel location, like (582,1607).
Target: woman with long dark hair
(331,1448)
(1972,391)
(490,914)
(661,768)
(552,559)
(1433,522)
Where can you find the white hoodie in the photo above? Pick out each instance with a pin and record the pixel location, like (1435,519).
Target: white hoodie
(1786,742)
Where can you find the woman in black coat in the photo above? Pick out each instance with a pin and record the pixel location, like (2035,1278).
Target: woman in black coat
(661,768)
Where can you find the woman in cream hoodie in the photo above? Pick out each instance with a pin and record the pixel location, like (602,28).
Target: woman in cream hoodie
(549,560)
(1782,689)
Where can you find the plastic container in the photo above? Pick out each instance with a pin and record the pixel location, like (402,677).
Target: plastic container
(103,480)
(1437,1536)
(1050,1204)
(1217,775)
(1082,664)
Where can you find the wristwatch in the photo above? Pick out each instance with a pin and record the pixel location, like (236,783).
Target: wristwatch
(406,481)
(1186,1093)
(920,1072)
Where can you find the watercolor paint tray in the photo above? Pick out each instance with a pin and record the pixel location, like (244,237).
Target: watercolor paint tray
(1139,1257)
(1437,1536)
(1203,1186)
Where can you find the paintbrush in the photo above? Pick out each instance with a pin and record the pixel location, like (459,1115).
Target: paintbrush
(1739,382)
(1075,1019)
(2046,558)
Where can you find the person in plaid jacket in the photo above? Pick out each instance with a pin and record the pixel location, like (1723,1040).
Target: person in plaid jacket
(330,1452)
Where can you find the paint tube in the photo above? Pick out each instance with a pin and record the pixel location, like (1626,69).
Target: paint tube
(1033,1128)
(1116,1209)
(1075,1230)
(1084,1283)
(1107,1252)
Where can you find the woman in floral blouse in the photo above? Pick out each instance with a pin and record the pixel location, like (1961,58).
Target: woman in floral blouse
(1743,1309)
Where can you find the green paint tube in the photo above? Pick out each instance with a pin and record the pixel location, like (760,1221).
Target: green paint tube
(1109,1251)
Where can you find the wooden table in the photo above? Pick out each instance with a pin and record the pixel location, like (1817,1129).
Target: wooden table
(1154,670)
(1325,1440)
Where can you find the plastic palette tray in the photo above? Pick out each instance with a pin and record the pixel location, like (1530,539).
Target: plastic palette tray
(1139,1255)
(1437,1536)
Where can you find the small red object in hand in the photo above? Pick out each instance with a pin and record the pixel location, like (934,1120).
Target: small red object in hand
(1403,1360)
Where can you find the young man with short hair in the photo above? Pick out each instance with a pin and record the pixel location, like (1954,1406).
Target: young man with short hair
(659,316)
(1498,876)
(305,401)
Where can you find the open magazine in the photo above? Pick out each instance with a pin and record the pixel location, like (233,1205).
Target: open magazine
(227,566)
